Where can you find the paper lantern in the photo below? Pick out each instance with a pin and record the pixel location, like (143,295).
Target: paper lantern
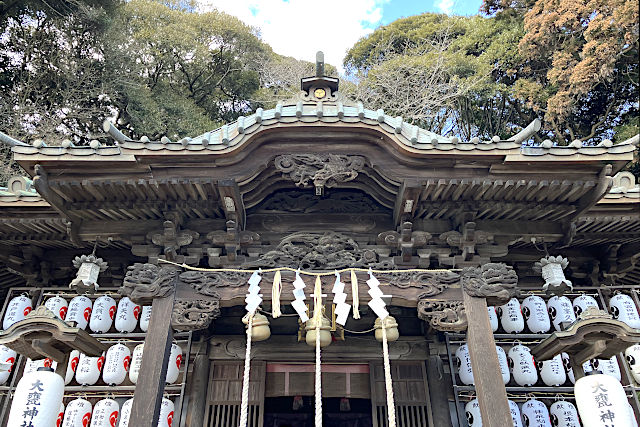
(504,365)
(116,364)
(632,354)
(472,412)
(567,367)
(607,367)
(6,356)
(105,413)
(601,401)
(175,360)
(89,369)
(72,365)
(31,366)
(535,313)
(104,310)
(515,414)
(79,311)
(493,318)
(522,366)
(127,315)
(632,416)
(37,399)
(145,317)
(166,413)
(624,309)
(463,361)
(552,371)
(564,414)
(17,309)
(136,363)
(582,303)
(511,317)
(60,415)
(125,413)
(77,414)
(560,311)
(58,306)
(535,414)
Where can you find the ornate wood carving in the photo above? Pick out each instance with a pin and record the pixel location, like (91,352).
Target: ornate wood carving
(192,315)
(405,241)
(443,315)
(338,201)
(171,239)
(144,282)
(233,239)
(467,240)
(321,170)
(496,282)
(432,283)
(205,283)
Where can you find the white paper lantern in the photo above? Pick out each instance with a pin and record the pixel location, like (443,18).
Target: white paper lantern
(511,317)
(175,360)
(472,412)
(58,306)
(504,364)
(632,416)
(632,354)
(567,367)
(104,310)
(560,311)
(79,311)
(77,414)
(564,414)
(127,315)
(535,313)
(624,309)
(607,367)
(552,371)
(166,413)
(17,309)
(601,401)
(125,413)
(37,399)
(136,363)
(493,318)
(105,413)
(89,369)
(31,366)
(515,414)
(60,415)
(535,414)
(582,303)
(522,366)
(463,360)
(145,317)
(116,364)
(6,356)
(72,365)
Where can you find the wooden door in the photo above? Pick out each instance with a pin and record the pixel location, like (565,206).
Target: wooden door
(410,391)
(224,395)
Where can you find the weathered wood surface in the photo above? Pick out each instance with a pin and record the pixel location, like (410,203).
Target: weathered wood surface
(491,392)
(147,397)
(197,392)
(440,388)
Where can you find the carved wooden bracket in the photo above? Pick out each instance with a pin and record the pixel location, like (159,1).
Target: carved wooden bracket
(321,170)
(193,315)
(171,239)
(144,282)
(443,315)
(497,282)
(232,240)
(406,240)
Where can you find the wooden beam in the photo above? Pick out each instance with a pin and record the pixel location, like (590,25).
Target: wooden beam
(407,201)
(491,392)
(198,384)
(147,397)
(231,201)
(440,387)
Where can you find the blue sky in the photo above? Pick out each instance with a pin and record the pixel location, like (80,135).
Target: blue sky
(299,28)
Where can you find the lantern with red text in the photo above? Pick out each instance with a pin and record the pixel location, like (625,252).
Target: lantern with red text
(37,399)
(104,310)
(116,364)
(79,311)
(89,368)
(60,415)
(175,360)
(7,356)
(127,315)
(72,365)
(58,306)
(601,400)
(105,413)
(166,413)
(77,414)
(17,310)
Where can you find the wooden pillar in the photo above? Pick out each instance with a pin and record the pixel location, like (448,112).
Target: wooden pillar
(198,383)
(490,390)
(440,387)
(147,397)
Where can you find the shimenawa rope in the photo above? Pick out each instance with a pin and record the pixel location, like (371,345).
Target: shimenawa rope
(244,406)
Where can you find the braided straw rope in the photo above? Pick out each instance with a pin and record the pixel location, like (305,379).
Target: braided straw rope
(244,407)
(391,405)
(318,379)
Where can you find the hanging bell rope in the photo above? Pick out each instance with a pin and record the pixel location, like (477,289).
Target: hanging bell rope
(391,405)
(276,289)
(354,294)
(244,406)
(317,318)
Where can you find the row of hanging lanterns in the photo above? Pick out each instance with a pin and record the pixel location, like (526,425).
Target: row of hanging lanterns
(99,315)
(538,316)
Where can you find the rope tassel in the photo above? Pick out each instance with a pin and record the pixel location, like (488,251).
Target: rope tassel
(276,289)
(354,294)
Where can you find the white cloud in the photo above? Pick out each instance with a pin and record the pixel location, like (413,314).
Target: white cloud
(445,6)
(299,28)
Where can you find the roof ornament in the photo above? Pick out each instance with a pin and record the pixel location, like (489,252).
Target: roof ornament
(320,87)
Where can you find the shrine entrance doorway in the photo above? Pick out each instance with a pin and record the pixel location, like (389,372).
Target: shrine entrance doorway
(298,411)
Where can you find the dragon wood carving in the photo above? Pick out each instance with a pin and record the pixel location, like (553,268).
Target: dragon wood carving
(192,315)
(144,282)
(497,282)
(447,316)
(321,170)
